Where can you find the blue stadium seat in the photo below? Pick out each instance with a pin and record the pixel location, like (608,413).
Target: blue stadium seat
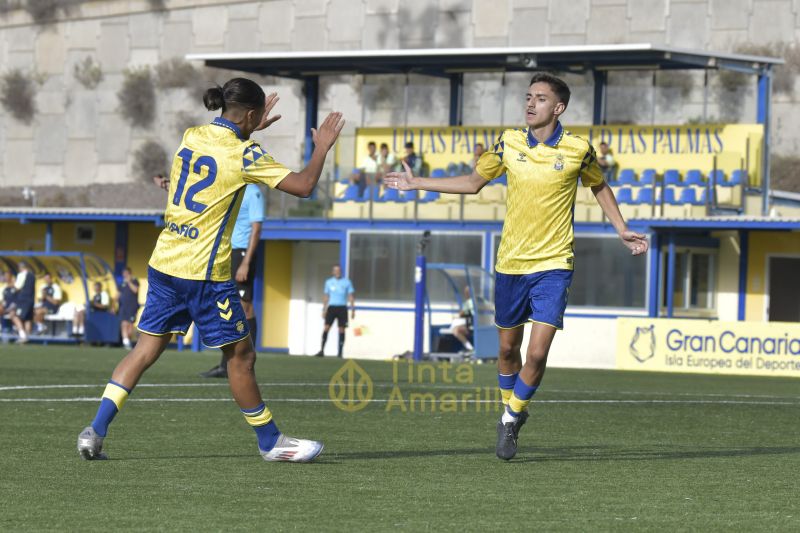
(391,195)
(669,197)
(452,169)
(429,196)
(350,194)
(672,177)
(438,173)
(737,178)
(502,180)
(625,196)
(648,177)
(409,196)
(627,176)
(694,177)
(645,196)
(717,177)
(375,192)
(689,196)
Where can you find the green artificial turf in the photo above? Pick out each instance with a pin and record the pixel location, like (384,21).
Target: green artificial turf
(602,450)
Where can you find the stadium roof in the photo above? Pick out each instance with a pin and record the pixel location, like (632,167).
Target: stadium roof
(46,214)
(446,61)
(726,223)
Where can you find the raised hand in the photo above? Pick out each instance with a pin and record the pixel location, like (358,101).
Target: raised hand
(326,134)
(269,103)
(161,181)
(636,242)
(401,181)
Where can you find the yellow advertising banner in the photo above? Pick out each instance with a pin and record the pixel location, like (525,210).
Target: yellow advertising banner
(684,147)
(709,347)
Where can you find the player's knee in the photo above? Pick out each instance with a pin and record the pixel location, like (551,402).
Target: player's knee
(508,351)
(536,356)
(244,360)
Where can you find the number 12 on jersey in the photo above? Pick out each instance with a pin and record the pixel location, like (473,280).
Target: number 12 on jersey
(208,162)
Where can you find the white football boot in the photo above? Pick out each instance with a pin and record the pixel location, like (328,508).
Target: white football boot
(293,450)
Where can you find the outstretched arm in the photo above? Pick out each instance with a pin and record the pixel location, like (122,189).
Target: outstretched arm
(302,183)
(406,181)
(635,242)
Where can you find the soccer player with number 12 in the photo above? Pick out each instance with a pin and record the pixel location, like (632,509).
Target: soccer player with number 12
(189,274)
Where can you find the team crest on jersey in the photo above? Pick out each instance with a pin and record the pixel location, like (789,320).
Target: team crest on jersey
(521,157)
(559,164)
(240,326)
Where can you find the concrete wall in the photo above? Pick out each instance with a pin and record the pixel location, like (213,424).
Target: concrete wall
(78,136)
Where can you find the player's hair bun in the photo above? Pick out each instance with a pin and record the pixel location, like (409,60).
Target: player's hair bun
(213,98)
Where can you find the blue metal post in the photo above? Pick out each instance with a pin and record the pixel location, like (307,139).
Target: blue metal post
(48,237)
(655,265)
(599,112)
(312,108)
(196,344)
(671,275)
(764,116)
(419,306)
(258,293)
(456,99)
(120,249)
(343,242)
(743,256)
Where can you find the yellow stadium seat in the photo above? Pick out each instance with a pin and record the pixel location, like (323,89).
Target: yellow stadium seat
(595,212)
(500,212)
(673,211)
(349,210)
(480,211)
(449,198)
(582,213)
(434,211)
(391,210)
(493,193)
(629,211)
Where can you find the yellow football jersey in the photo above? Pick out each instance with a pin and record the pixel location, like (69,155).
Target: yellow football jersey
(206,186)
(542,184)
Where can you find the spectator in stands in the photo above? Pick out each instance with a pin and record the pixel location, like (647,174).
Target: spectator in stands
(100,302)
(460,327)
(49,302)
(25,285)
(9,294)
(413,160)
(386,161)
(477,152)
(367,170)
(128,305)
(606,162)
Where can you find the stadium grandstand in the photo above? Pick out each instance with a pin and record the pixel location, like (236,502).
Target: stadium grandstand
(700,191)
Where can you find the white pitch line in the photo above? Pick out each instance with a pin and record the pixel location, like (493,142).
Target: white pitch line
(386,400)
(434,386)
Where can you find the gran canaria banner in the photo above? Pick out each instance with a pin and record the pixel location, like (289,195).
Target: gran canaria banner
(681,147)
(709,347)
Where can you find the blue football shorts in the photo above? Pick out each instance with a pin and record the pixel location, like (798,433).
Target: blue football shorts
(172,305)
(538,297)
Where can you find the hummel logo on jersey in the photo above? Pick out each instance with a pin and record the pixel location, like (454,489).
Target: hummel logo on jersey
(521,157)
